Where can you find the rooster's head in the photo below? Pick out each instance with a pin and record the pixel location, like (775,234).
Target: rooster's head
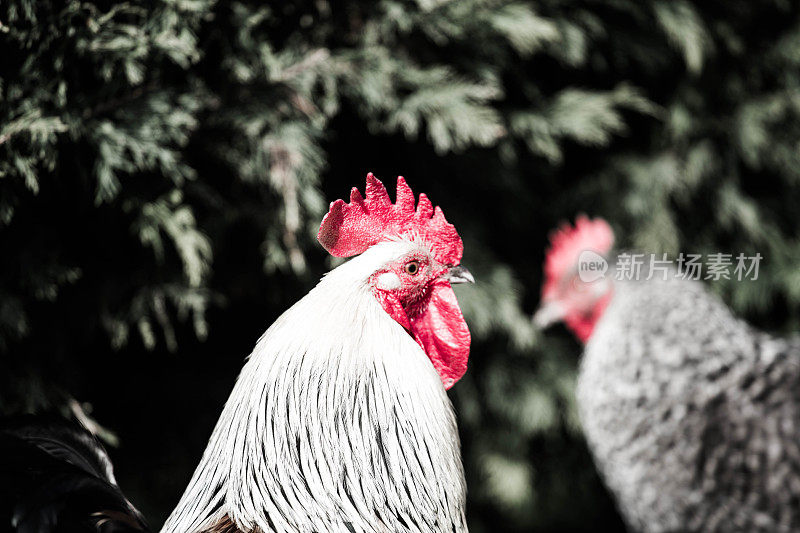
(416,259)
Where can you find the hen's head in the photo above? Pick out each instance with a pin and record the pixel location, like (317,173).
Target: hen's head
(565,295)
(412,276)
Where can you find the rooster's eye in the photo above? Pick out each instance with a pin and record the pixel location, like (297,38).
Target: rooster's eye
(412,268)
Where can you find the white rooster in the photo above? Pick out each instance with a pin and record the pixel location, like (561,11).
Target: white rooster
(340,421)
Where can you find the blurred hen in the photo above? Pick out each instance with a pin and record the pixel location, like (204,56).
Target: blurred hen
(693,416)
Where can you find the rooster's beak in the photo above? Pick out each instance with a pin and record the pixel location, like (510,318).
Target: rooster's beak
(459,274)
(548,314)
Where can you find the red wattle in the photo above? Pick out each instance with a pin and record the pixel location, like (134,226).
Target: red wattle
(438,326)
(440,329)
(582,324)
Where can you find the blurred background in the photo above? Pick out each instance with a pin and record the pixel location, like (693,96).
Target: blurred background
(164,167)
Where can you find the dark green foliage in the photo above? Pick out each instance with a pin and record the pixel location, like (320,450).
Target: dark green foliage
(164,167)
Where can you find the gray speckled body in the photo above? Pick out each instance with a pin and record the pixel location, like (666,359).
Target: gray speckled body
(692,415)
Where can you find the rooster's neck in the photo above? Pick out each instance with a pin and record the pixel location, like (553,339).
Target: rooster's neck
(337,422)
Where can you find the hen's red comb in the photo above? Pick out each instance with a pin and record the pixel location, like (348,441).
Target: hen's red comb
(349,229)
(567,243)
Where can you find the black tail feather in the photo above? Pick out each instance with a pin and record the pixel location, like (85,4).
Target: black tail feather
(56,477)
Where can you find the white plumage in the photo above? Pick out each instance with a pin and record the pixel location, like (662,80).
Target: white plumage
(338,422)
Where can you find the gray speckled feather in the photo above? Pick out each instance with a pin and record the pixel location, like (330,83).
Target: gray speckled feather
(692,415)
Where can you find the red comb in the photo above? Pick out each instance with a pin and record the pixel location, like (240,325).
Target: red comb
(567,243)
(349,229)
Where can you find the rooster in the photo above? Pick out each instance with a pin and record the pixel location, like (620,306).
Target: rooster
(693,417)
(340,420)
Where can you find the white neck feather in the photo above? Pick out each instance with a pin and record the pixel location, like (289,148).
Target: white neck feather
(338,422)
